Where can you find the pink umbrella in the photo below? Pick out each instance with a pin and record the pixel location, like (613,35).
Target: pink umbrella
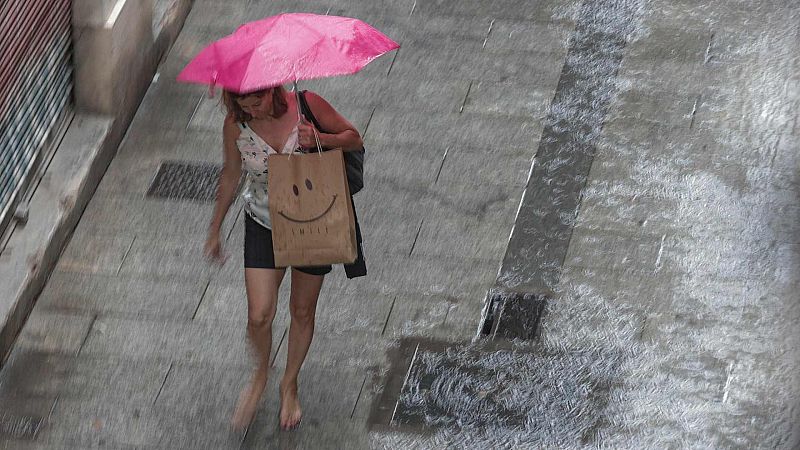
(286,48)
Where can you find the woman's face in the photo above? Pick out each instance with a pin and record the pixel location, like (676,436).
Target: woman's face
(259,106)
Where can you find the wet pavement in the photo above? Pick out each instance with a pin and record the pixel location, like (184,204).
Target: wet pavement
(657,228)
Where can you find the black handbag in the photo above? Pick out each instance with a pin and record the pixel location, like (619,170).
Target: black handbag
(353,161)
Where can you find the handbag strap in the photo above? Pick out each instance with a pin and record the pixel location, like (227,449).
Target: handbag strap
(305,110)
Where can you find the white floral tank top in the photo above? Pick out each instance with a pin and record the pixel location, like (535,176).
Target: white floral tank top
(254,151)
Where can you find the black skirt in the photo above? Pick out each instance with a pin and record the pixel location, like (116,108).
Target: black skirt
(258,249)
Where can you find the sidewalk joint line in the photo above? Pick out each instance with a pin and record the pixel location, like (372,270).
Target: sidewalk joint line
(125,256)
(196,107)
(366,127)
(244,438)
(88,332)
(414,244)
(394,58)
(775,149)
(278,348)
(728,378)
(441,165)
(694,110)
(708,49)
(202,297)
(169,370)
(405,381)
(360,391)
(391,308)
(464,103)
(644,328)
(52,408)
(486,38)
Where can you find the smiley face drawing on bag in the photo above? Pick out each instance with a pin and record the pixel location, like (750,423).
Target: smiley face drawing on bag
(307,195)
(309,190)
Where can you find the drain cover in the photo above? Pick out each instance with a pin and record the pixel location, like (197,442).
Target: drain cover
(185,181)
(555,394)
(513,315)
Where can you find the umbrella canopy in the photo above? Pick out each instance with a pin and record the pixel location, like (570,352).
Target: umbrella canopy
(286,48)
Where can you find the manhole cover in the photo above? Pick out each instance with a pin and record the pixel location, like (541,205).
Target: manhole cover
(185,181)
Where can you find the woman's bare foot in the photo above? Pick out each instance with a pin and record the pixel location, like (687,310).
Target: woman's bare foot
(248,401)
(291,414)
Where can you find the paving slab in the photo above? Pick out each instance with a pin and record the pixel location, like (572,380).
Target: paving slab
(401,27)
(353,350)
(57,332)
(490,167)
(97,424)
(660,107)
(202,391)
(424,95)
(164,341)
(95,254)
(527,36)
(112,295)
(530,100)
(13,444)
(351,312)
(171,259)
(434,316)
(667,43)
(114,380)
(30,384)
(525,10)
(328,397)
(146,217)
(465,59)
(467,239)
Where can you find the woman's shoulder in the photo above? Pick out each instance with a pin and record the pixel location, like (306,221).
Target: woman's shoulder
(231,127)
(317,103)
(313,97)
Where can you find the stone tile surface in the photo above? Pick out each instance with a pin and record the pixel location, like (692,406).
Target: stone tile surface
(682,250)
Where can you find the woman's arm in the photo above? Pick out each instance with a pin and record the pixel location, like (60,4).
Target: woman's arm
(231,174)
(339,131)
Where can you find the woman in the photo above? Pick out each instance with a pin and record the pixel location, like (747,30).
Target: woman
(257,124)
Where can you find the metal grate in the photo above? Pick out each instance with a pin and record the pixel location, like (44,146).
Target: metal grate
(513,315)
(185,181)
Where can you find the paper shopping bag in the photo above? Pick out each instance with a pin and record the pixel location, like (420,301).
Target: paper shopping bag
(310,209)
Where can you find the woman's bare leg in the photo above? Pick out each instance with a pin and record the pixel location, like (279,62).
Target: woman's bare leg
(302,306)
(262,299)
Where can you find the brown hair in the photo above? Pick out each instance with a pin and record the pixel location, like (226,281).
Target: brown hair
(279,105)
